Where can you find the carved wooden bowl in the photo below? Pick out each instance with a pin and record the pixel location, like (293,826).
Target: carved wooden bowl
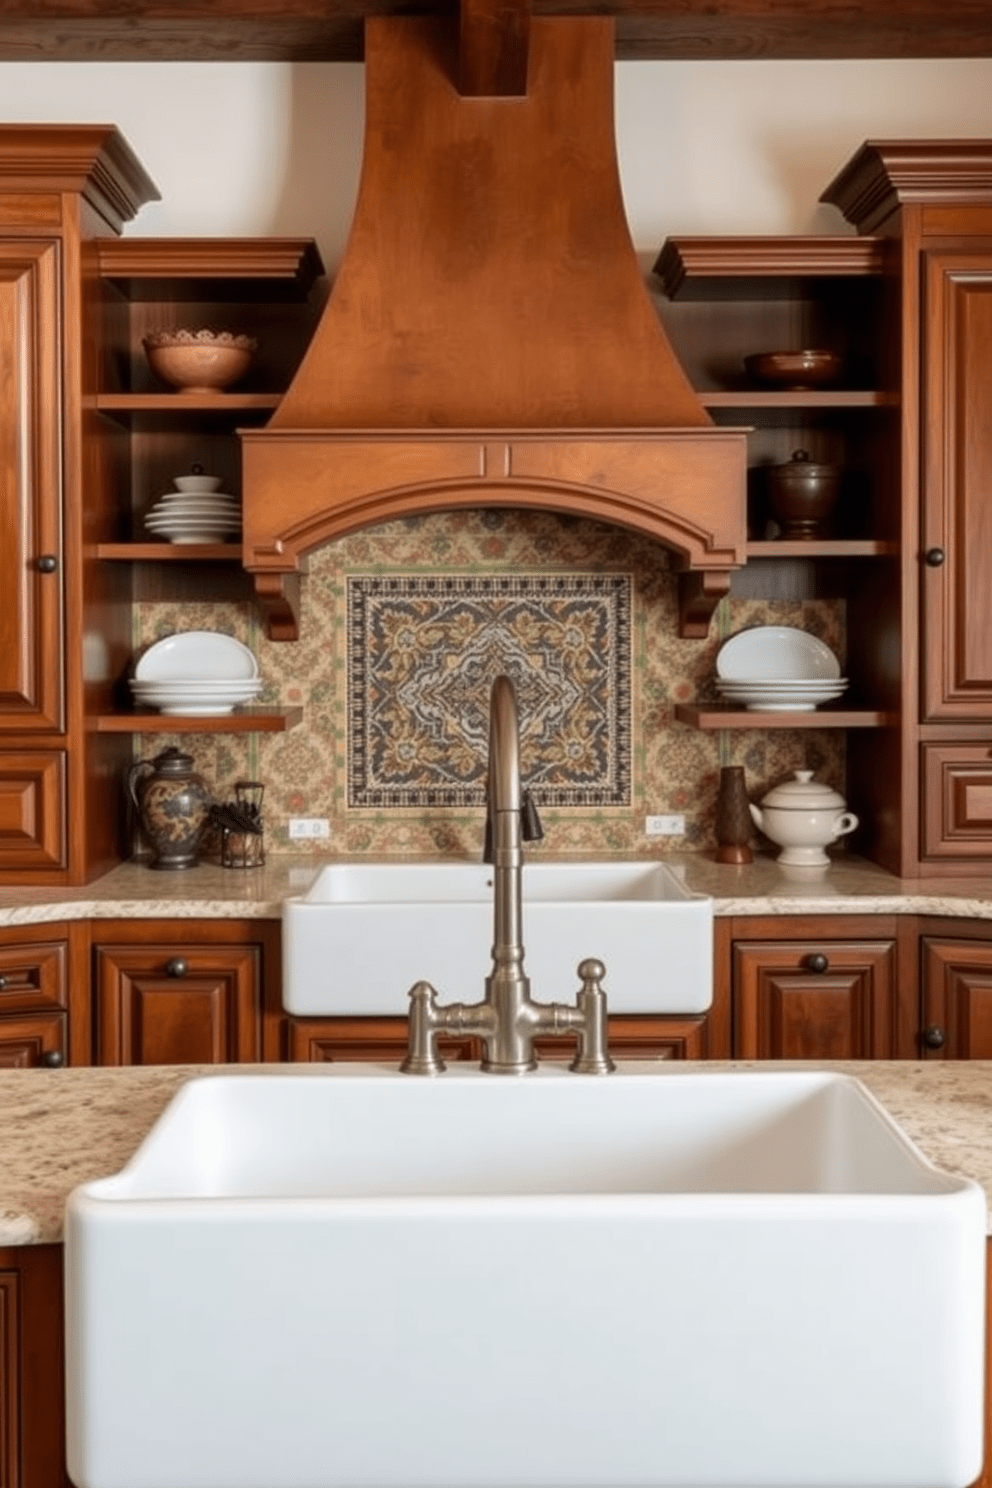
(795,370)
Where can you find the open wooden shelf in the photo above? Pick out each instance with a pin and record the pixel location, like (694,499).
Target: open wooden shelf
(167,552)
(245,721)
(183,404)
(826,400)
(713,716)
(839,547)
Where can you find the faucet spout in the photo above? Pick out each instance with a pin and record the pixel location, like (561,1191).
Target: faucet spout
(508,1020)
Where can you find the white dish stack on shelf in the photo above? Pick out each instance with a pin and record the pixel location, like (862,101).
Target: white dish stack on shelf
(778,669)
(196,674)
(198,511)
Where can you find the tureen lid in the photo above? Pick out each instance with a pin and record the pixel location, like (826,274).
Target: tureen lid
(803,793)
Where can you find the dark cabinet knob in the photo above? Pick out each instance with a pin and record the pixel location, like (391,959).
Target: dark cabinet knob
(52,1059)
(933,1037)
(817,962)
(177,967)
(47,563)
(934,557)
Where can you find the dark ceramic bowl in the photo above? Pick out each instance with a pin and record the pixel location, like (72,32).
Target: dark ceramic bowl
(795,370)
(802,494)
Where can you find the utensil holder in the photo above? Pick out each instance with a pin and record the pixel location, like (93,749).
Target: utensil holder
(242,836)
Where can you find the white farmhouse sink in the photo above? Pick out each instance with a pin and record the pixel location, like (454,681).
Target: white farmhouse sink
(364,933)
(684,1278)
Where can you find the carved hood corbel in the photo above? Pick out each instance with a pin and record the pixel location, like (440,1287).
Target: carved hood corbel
(489,340)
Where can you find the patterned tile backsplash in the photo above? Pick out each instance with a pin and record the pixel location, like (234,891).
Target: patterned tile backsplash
(403,628)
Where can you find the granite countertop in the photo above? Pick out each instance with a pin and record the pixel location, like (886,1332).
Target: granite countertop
(848,886)
(59,1128)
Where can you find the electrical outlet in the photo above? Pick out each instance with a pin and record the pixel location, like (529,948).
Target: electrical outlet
(664,826)
(308,826)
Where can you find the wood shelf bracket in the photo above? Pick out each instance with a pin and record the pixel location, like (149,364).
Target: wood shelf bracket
(699,594)
(278,596)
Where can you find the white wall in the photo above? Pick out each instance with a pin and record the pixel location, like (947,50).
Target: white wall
(704,146)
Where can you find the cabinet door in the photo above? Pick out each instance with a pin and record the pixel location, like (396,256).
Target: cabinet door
(814,1000)
(32,1380)
(957,998)
(32,808)
(30,494)
(957,479)
(957,800)
(30,1039)
(172,1004)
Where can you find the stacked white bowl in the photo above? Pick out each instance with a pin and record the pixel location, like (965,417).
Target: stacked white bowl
(196,673)
(198,511)
(778,669)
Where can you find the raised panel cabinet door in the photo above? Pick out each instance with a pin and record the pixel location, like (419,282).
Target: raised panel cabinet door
(33,976)
(956,551)
(957,800)
(957,998)
(31,690)
(816,1000)
(32,808)
(165,1004)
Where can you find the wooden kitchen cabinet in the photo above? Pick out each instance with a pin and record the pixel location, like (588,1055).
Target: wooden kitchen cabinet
(824,988)
(35,979)
(956,992)
(32,1390)
(183,991)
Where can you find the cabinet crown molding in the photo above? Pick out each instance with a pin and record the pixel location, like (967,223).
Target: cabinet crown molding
(886,174)
(94,160)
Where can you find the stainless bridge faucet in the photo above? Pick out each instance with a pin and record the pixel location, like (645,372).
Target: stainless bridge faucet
(507,1020)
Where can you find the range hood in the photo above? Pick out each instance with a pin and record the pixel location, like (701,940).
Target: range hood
(489,339)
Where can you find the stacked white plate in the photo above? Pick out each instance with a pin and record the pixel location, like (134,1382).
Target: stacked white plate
(198,511)
(778,669)
(196,673)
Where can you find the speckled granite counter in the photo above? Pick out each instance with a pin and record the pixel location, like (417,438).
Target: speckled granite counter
(848,886)
(59,1128)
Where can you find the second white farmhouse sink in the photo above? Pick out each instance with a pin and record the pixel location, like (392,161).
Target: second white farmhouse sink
(364,933)
(683,1279)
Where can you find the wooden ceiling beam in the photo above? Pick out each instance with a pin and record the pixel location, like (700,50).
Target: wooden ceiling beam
(332,30)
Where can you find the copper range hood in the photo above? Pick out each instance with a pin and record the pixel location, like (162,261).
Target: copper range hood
(489,340)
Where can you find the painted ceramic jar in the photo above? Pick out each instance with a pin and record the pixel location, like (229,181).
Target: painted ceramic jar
(173,803)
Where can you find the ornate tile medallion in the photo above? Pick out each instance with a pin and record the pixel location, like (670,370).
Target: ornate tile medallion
(422,653)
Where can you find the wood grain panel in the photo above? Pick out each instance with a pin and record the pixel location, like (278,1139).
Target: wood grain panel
(957,468)
(30,491)
(10,1379)
(177,1004)
(32,810)
(787,1008)
(957,996)
(957,800)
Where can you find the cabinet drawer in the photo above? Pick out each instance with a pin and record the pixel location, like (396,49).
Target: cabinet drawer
(32,809)
(957,800)
(30,1039)
(32,977)
(814,999)
(169,1004)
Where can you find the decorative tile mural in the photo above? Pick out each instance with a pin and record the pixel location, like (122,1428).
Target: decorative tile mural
(422,654)
(334,764)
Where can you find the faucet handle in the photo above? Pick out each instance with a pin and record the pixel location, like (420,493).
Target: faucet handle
(593,1054)
(531,827)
